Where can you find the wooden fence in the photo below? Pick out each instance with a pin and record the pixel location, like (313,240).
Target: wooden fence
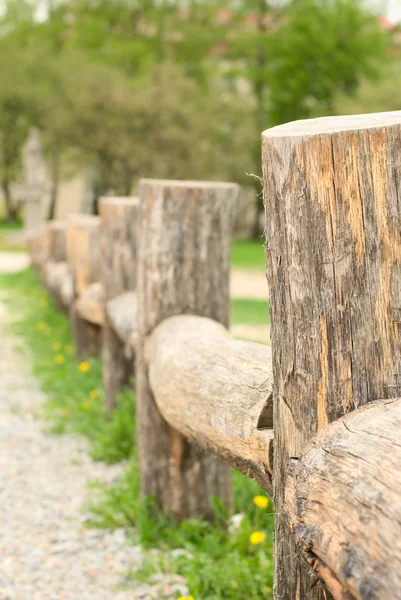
(317,420)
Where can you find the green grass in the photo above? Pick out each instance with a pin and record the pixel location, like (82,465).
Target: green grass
(248,255)
(249,312)
(75,397)
(218,563)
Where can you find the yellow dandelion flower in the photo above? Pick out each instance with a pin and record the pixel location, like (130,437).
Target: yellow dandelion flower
(40,326)
(261,501)
(56,346)
(186,598)
(93,394)
(257,537)
(84,367)
(68,349)
(59,359)
(86,405)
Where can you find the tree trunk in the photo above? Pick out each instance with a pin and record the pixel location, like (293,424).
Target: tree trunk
(183,268)
(334,253)
(119,217)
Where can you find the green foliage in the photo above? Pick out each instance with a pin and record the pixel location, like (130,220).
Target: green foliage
(216,560)
(323,47)
(145,88)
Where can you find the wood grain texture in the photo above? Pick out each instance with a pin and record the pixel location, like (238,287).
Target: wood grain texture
(213,389)
(119,218)
(90,304)
(183,268)
(343,498)
(87,336)
(334,250)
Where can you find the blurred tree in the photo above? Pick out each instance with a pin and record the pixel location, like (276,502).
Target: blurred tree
(19,109)
(165,87)
(323,47)
(156,126)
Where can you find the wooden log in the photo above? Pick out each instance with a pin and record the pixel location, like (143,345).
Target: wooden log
(183,267)
(86,335)
(122,314)
(215,390)
(58,280)
(119,250)
(343,498)
(57,231)
(84,258)
(90,304)
(83,250)
(334,257)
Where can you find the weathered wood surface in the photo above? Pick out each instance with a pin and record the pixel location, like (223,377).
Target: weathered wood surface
(83,250)
(90,304)
(57,232)
(334,251)
(58,280)
(119,218)
(215,390)
(84,258)
(87,336)
(183,267)
(343,498)
(119,342)
(122,314)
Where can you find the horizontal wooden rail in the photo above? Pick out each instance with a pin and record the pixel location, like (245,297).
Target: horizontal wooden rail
(122,313)
(57,278)
(90,304)
(343,498)
(215,390)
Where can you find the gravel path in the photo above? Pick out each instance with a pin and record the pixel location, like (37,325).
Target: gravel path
(248,284)
(45,551)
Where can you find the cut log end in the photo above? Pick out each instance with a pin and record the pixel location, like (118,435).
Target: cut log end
(332,125)
(343,498)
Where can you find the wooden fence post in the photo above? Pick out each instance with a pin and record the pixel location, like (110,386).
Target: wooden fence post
(119,256)
(334,264)
(183,268)
(57,231)
(83,252)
